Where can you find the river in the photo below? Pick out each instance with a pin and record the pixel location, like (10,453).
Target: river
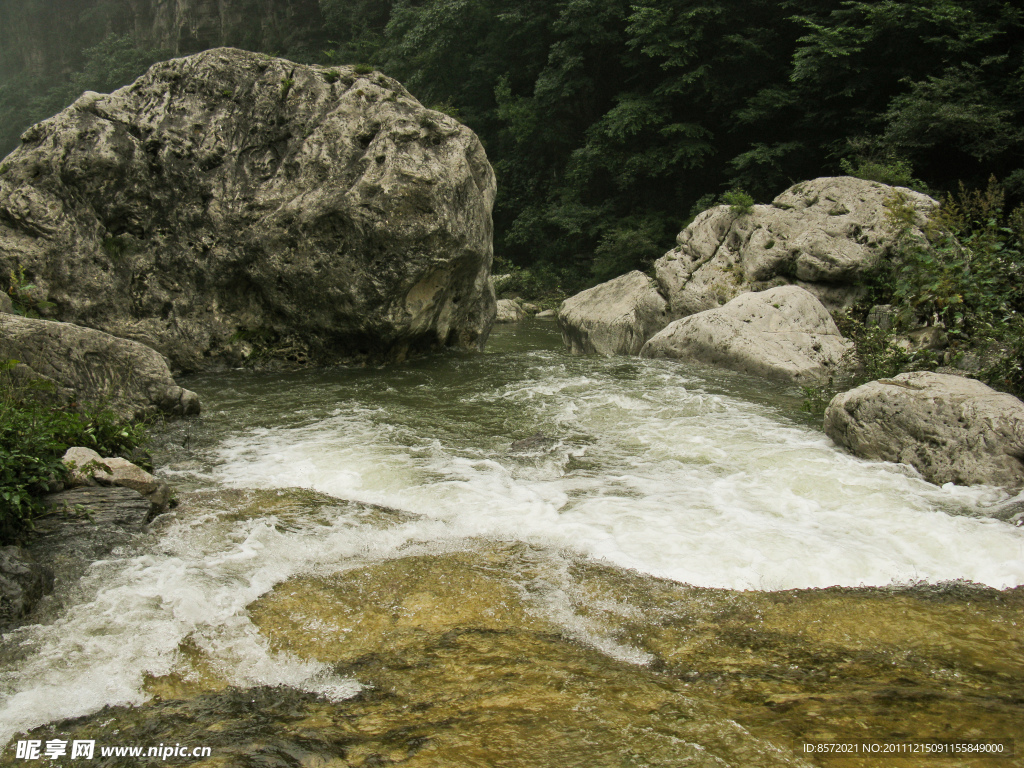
(674,567)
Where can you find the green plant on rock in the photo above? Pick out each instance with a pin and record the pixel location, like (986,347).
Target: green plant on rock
(739,202)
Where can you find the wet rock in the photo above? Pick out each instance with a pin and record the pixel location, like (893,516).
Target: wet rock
(92,509)
(783,334)
(823,235)
(88,468)
(68,363)
(509,311)
(535,442)
(614,318)
(230,207)
(951,429)
(23,581)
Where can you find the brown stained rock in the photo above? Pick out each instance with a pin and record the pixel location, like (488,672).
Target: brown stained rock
(951,429)
(231,206)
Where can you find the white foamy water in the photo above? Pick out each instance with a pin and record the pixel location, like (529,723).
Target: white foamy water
(652,473)
(649,466)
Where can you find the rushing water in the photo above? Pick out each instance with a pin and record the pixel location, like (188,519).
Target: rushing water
(421,520)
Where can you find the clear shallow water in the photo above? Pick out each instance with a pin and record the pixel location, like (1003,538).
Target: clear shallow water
(701,477)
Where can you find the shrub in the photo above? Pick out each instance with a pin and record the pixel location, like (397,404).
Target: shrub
(33,438)
(738,201)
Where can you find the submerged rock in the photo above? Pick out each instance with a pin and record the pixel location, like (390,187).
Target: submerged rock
(783,334)
(951,429)
(614,318)
(231,206)
(68,363)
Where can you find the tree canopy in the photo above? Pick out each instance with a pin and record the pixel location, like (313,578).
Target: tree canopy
(609,121)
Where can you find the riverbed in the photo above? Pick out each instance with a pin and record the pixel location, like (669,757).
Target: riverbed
(527,558)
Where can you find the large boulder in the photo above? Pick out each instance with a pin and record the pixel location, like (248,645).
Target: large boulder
(614,318)
(822,235)
(67,363)
(951,429)
(230,206)
(783,334)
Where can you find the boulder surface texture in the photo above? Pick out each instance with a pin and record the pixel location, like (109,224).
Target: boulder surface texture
(951,429)
(230,206)
(823,235)
(614,318)
(509,311)
(783,334)
(76,364)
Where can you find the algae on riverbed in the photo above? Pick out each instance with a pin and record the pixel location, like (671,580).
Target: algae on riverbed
(505,654)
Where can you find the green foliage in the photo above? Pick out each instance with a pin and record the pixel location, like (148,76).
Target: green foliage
(286,87)
(966,272)
(894,172)
(25,296)
(739,202)
(600,115)
(34,436)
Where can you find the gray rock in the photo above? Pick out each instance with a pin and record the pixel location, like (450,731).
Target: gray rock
(951,429)
(509,311)
(86,508)
(822,235)
(930,338)
(783,334)
(614,318)
(89,469)
(882,316)
(546,314)
(23,581)
(69,363)
(230,206)
(6,305)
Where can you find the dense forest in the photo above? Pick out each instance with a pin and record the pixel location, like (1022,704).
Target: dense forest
(609,122)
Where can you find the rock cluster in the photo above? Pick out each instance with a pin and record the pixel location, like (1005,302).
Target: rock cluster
(822,235)
(231,206)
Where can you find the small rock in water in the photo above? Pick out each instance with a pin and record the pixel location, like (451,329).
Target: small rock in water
(536,442)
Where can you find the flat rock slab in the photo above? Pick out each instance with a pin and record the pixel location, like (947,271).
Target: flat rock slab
(614,318)
(784,334)
(951,429)
(83,509)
